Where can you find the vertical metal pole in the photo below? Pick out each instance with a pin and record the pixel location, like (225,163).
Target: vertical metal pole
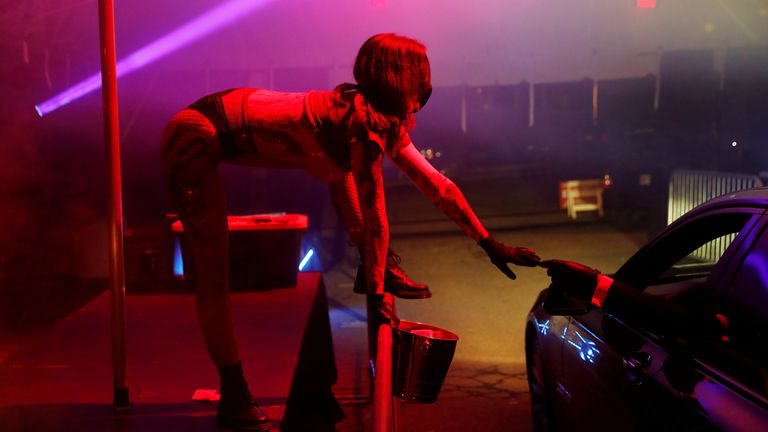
(595,100)
(112,146)
(531,104)
(657,89)
(384,419)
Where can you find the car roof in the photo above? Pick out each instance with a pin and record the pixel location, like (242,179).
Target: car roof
(747,198)
(757,197)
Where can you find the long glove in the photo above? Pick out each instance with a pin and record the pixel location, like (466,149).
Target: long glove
(574,279)
(502,255)
(384,311)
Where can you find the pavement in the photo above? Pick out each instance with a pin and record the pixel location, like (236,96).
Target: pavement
(486,387)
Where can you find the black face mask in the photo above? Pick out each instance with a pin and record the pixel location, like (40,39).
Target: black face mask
(424,98)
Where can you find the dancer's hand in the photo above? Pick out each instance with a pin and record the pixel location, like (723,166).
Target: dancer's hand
(502,255)
(385,313)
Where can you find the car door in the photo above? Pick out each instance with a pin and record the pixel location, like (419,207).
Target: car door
(735,392)
(543,357)
(614,372)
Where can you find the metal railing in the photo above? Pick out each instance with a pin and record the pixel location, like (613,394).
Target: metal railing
(386,408)
(688,189)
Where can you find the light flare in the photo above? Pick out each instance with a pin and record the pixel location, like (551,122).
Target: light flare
(306,258)
(204,24)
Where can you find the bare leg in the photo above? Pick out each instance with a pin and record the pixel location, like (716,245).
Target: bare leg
(190,157)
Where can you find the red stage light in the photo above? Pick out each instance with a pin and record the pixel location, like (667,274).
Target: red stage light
(646,4)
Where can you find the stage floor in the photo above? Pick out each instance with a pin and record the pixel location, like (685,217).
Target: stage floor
(61,380)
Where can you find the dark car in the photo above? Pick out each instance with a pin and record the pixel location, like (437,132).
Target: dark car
(591,370)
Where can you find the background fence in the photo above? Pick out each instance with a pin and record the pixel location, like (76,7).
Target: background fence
(688,189)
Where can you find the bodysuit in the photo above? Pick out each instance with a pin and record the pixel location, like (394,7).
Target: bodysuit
(314,131)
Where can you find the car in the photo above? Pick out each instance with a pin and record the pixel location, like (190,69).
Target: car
(591,370)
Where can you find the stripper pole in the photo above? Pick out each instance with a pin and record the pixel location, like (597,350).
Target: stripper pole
(112,146)
(385,408)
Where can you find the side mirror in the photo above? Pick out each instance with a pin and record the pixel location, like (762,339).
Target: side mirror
(556,302)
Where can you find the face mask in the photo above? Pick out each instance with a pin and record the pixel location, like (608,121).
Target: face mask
(424,98)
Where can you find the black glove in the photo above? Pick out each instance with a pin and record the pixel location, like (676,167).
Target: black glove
(500,255)
(574,279)
(384,311)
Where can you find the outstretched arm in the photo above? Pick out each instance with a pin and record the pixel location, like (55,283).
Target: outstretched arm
(448,198)
(366,170)
(440,190)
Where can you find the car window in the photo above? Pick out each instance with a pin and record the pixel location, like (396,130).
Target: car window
(674,282)
(690,251)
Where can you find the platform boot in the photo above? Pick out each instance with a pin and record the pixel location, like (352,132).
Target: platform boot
(396,282)
(237,410)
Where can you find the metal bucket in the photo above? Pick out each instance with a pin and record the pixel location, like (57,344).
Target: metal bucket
(422,356)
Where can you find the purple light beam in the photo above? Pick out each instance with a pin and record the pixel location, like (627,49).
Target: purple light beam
(182,36)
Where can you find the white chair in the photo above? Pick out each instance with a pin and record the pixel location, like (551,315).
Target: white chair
(584,195)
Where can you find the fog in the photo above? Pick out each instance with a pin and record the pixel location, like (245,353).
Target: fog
(490,59)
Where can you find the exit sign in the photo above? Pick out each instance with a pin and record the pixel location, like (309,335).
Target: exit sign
(646,4)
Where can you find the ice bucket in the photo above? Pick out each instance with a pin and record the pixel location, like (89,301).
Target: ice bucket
(422,355)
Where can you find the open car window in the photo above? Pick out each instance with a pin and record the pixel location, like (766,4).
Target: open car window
(690,251)
(700,262)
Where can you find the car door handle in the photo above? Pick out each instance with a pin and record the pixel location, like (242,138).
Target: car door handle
(637,361)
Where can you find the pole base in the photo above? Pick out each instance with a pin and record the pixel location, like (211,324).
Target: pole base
(121,400)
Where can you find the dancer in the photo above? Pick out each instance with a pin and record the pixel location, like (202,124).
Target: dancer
(338,136)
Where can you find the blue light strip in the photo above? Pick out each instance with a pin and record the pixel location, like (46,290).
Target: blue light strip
(586,348)
(182,36)
(306,258)
(543,327)
(178,261)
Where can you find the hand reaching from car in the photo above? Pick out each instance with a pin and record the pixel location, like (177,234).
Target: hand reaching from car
(574,279)
(577,288)
(502,255)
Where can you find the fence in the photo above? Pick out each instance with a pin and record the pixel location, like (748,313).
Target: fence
(688,189)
